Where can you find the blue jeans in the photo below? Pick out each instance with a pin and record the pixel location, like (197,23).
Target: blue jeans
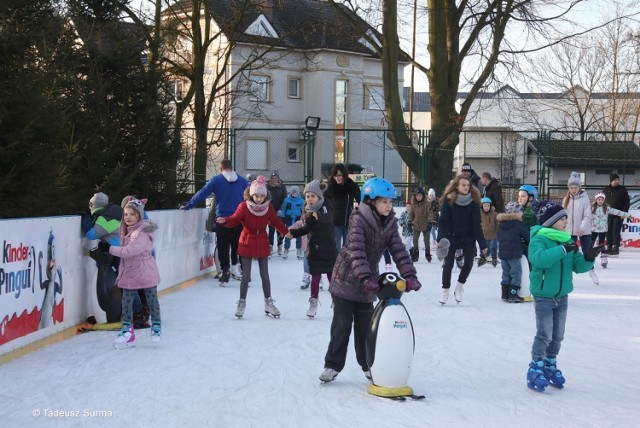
(492,244)
(585,242)
(341,236)
(434,231)
(511,272)
(551,317)
(287,242)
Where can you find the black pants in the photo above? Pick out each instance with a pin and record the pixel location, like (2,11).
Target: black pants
(346,313)
(469,254)
(273,232)
(614,226)
(227,238)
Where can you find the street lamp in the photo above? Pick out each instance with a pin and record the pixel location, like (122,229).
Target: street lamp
(311,125)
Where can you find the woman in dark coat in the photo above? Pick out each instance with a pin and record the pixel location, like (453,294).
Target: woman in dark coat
(460,223)
(343,192)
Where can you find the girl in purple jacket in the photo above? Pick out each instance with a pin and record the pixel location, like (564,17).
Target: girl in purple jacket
(138,270)
(373,227)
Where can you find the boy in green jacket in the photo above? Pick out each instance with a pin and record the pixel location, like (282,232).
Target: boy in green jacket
(554,257)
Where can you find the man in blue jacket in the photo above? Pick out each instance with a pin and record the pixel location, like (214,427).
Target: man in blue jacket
(228,188)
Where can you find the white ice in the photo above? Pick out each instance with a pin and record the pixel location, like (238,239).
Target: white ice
(213,370)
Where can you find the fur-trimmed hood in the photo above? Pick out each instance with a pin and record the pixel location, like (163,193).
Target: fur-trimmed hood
(509,216)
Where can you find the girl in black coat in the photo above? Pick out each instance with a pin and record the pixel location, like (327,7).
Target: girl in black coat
(343,192)
(460,223)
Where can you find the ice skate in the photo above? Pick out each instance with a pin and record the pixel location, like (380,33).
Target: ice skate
(285,254)
(300,254)
(535,376)
(328,375)
(126,338)
(235,272)
(604,260)
(313,307)
(321,284)
(306,280)
(594,277)
(459,256)
(218,274)
(156,332)
(415,255)
(445,296)
(270,309)
(494,261)
(224,278)
(242,304)
(458,292)
(553,375)
(482,260)
(388,267)
(428,256)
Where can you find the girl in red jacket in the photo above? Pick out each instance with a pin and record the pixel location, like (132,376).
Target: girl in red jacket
(255,214)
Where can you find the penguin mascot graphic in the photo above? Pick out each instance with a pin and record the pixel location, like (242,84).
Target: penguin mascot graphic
(390,342)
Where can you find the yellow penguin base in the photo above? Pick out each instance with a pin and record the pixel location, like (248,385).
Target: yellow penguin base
(383,391)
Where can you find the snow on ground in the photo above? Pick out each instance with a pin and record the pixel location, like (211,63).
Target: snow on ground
(212,370)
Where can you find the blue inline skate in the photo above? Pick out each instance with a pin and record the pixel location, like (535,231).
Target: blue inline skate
(553,375)
(535,376)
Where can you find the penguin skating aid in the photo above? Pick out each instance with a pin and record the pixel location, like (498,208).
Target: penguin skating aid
(390,342)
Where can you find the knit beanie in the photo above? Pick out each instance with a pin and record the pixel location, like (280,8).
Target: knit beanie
(613,176)
(258,186)
(314,187)
(138,205)
(432,192)
(513,208)
(99,200)
(574,180)
(466,167)
(548,212)
(600,195)
(295,189)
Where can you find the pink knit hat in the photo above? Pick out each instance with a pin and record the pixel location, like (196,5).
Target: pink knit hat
(258,186)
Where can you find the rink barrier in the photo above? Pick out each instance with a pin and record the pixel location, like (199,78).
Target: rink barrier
(47,280)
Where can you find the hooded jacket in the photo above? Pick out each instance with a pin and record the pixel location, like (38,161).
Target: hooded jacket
(511,233)
(228,188)
(421,214)
(578,214)
(138,268)
(551,267)
(321,244)
(105,224)
(368,236)
(489,223)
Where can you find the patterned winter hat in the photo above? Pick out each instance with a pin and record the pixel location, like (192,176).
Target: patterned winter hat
(314,187)
(574,180)
(258,186)
(600,195)
(513,208)
(98,200)
(548,212)
(138,205)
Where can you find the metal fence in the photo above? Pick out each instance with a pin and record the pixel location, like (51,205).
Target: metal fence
(543,159)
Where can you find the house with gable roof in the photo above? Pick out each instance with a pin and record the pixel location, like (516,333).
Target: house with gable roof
(292,59)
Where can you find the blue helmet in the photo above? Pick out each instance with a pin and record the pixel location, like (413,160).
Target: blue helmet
(377,187)
(531,190)
(485,200)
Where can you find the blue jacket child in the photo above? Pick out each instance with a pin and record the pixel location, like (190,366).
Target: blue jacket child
(292,208)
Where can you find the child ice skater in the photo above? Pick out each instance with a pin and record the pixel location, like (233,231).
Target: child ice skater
(137,270)
(407,227)
(372,228)
(292,208)
(599,213)
(489,223)
(554,256)
(255,214)
(511,234)
(321,245)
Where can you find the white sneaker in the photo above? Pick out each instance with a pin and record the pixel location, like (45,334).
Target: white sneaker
(155,333)
(242,304)
(299,254)
(594,277)
(306,280)
(313,307)
(126,338)
(458,292)
(285,254)
(270,309)
(328,375)
(388,267)
(235,272)
(445,296)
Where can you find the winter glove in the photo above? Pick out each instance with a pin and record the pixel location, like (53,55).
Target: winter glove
(413,284)
(370,285)
(443,249)
(103,247)
(570,246)
(592,253)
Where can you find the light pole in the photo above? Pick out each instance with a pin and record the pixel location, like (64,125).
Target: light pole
(311,125)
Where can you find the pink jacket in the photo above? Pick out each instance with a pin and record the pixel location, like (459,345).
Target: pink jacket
(138,269)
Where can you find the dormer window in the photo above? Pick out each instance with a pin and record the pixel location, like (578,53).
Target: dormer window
(261,27)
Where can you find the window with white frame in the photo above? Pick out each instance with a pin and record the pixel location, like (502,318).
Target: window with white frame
(294,87)
(176,89)
(293,152)
(257,151)
(373,97)
(259,87)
